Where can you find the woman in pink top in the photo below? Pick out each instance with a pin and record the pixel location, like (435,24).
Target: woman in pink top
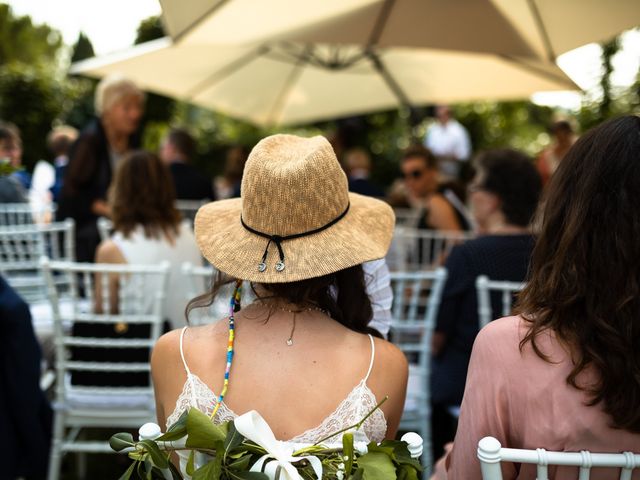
(565,375)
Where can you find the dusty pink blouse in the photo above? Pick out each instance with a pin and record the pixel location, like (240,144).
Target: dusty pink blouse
(525,402)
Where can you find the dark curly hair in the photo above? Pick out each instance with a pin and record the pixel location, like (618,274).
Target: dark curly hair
(142,193)
(585,272)
(511,176)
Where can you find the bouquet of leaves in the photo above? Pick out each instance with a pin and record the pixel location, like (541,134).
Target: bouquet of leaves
(246,449)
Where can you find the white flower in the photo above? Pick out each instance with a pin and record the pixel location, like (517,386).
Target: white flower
(341,466)
(339,474)
(360,447)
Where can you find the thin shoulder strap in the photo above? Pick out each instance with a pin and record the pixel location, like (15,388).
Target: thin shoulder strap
(373,354)
(184,362)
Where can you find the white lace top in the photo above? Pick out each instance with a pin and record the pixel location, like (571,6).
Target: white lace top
(351,410)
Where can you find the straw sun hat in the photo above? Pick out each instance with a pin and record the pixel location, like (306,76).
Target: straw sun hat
(296,219)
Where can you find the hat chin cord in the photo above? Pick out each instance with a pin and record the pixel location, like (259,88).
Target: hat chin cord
(277,239)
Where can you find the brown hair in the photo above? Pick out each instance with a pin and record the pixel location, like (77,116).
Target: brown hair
(585,271)
(142,193)
(423,152)
(349,305)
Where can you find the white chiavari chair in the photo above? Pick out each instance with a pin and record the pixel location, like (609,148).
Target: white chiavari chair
(484,287)
(26,213)
(112,296)
(491,454)
(416,299)
(415,249)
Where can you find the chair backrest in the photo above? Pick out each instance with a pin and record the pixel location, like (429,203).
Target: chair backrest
(189,208)
(407,217)
(491,453)
(105,227)
(484,287)
(92,303)
(22,247)
(415,249)
(416,299)
(25,214)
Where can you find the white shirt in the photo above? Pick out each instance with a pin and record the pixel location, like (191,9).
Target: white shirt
(141,250)
(449,140)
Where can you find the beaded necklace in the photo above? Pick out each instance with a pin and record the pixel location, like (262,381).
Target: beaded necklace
(235,302)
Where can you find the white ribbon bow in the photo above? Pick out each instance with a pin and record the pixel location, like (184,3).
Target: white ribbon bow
(254,428)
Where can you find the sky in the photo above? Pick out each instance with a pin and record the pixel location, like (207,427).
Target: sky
(111,25)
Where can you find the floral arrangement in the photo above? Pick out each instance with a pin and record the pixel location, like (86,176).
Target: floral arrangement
(246,449)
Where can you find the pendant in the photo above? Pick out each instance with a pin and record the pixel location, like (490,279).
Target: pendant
(289,342)
(279,266)
(262,267)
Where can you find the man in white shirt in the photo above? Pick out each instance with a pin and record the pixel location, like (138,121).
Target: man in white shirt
(449,142)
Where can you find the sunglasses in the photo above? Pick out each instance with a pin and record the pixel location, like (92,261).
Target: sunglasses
(413,174)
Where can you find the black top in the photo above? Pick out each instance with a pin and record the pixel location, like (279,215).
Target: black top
(365,187)
(190,184)
(25,415)
(87,179)
(500,257)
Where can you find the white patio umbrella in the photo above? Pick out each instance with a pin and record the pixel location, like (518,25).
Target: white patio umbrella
(541,29)
(283,82)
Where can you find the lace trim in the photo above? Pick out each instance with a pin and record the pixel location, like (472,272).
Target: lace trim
(351,409)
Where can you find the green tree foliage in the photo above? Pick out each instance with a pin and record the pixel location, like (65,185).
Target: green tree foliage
(83,49)
(22,41)
(32,99)
(159,110)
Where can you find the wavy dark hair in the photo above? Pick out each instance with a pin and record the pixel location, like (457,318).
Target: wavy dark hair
(349,306)
(511,176)
(142,193)
(585,271)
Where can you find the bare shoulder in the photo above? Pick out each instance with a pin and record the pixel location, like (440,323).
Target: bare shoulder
(109,252)
(166,348)
(439,202)
(394,361)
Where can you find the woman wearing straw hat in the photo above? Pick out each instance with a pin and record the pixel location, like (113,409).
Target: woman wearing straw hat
(302,356)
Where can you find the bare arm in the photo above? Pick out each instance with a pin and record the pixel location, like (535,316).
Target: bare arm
(391,372)
(107,252)
(442,215)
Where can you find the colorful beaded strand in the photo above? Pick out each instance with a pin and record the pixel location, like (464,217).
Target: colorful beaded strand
(235,302)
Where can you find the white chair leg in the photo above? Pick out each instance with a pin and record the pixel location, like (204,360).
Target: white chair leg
(55,456)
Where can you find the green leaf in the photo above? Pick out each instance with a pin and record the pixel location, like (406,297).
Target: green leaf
(190,460)
(175,431)
(233,439)
(202,433)
(401,453)
(158,458)
(241,464)
(406,472)
(387,450)
(376,466)
(347,450)
(120,441)
(127,475)
(357,475)
(212,469)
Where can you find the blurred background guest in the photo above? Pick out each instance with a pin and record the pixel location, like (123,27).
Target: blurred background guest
(563,138)
(177,151)
(59,142)
(357,164)
(228,185)
(148,229)
(11,149)
(564,375)
(420,171)
(101,145)
(25,414)
(504,195)
(449,141)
